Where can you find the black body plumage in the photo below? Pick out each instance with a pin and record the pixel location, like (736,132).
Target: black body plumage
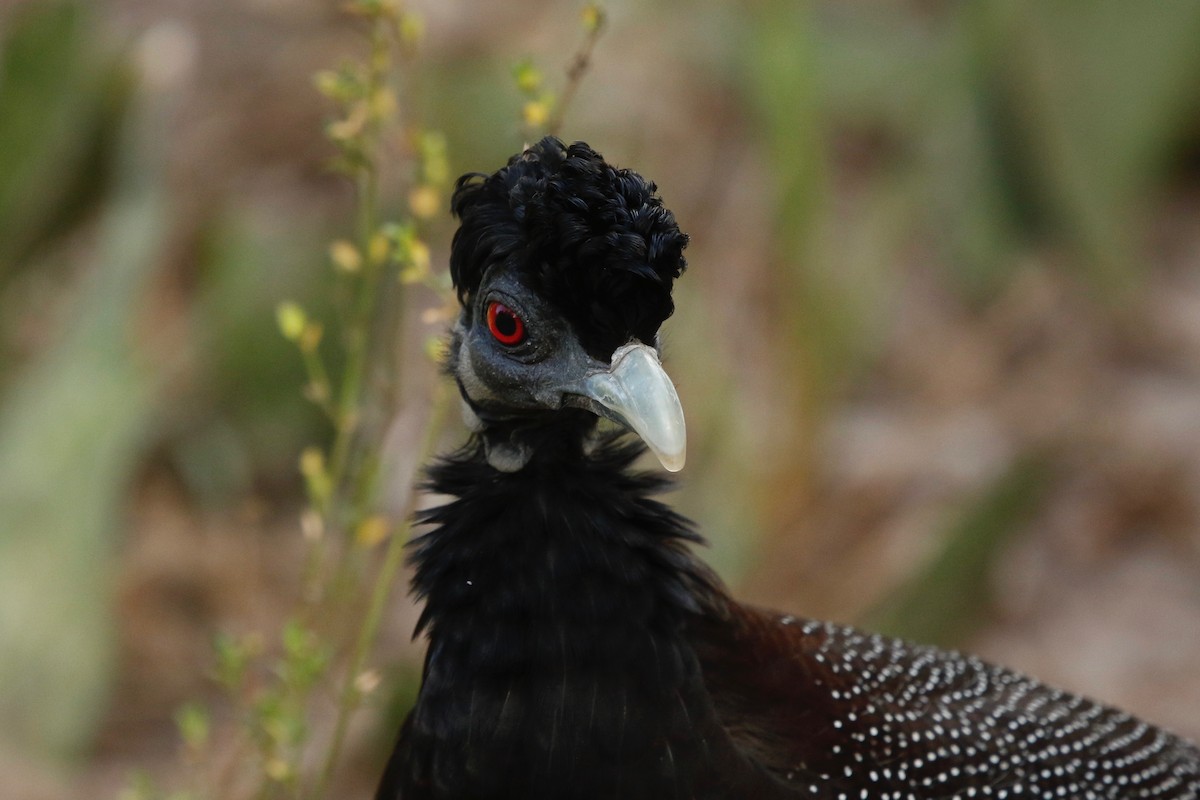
(577,647)
(556,600)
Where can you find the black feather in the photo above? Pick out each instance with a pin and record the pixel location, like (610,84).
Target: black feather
(555,603)
(596,240)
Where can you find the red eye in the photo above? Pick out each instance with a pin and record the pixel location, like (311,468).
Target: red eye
(505,325)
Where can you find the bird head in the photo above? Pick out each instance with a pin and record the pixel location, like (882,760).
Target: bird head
(563,265)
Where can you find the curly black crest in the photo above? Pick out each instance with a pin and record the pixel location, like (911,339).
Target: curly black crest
(595,240)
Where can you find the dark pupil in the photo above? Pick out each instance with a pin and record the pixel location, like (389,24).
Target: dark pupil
(506,323)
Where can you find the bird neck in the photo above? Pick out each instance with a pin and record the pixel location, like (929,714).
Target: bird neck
(556,597)
(509,441)
(577,530)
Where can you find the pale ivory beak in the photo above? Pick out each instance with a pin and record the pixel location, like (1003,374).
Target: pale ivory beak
(636,392)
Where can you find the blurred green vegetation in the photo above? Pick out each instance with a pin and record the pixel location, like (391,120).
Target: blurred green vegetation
(60,98)
(984,128)
(85,403)
(248,419)
(966,134)
(978,134)
(72,416)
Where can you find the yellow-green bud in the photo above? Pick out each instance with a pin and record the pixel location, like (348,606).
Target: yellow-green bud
(291,319)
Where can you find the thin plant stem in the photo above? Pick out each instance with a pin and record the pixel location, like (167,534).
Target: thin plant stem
(580,63)
(344,410)
(318,378)
(360,314)
(350,697)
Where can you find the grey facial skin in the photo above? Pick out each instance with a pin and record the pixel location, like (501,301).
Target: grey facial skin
(549,370)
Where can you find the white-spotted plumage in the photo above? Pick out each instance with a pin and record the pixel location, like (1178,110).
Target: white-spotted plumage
(917,722)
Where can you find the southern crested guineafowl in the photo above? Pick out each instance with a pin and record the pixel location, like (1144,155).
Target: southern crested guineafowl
(577,647)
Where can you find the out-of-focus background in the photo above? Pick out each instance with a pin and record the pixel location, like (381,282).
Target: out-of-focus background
(938,344)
